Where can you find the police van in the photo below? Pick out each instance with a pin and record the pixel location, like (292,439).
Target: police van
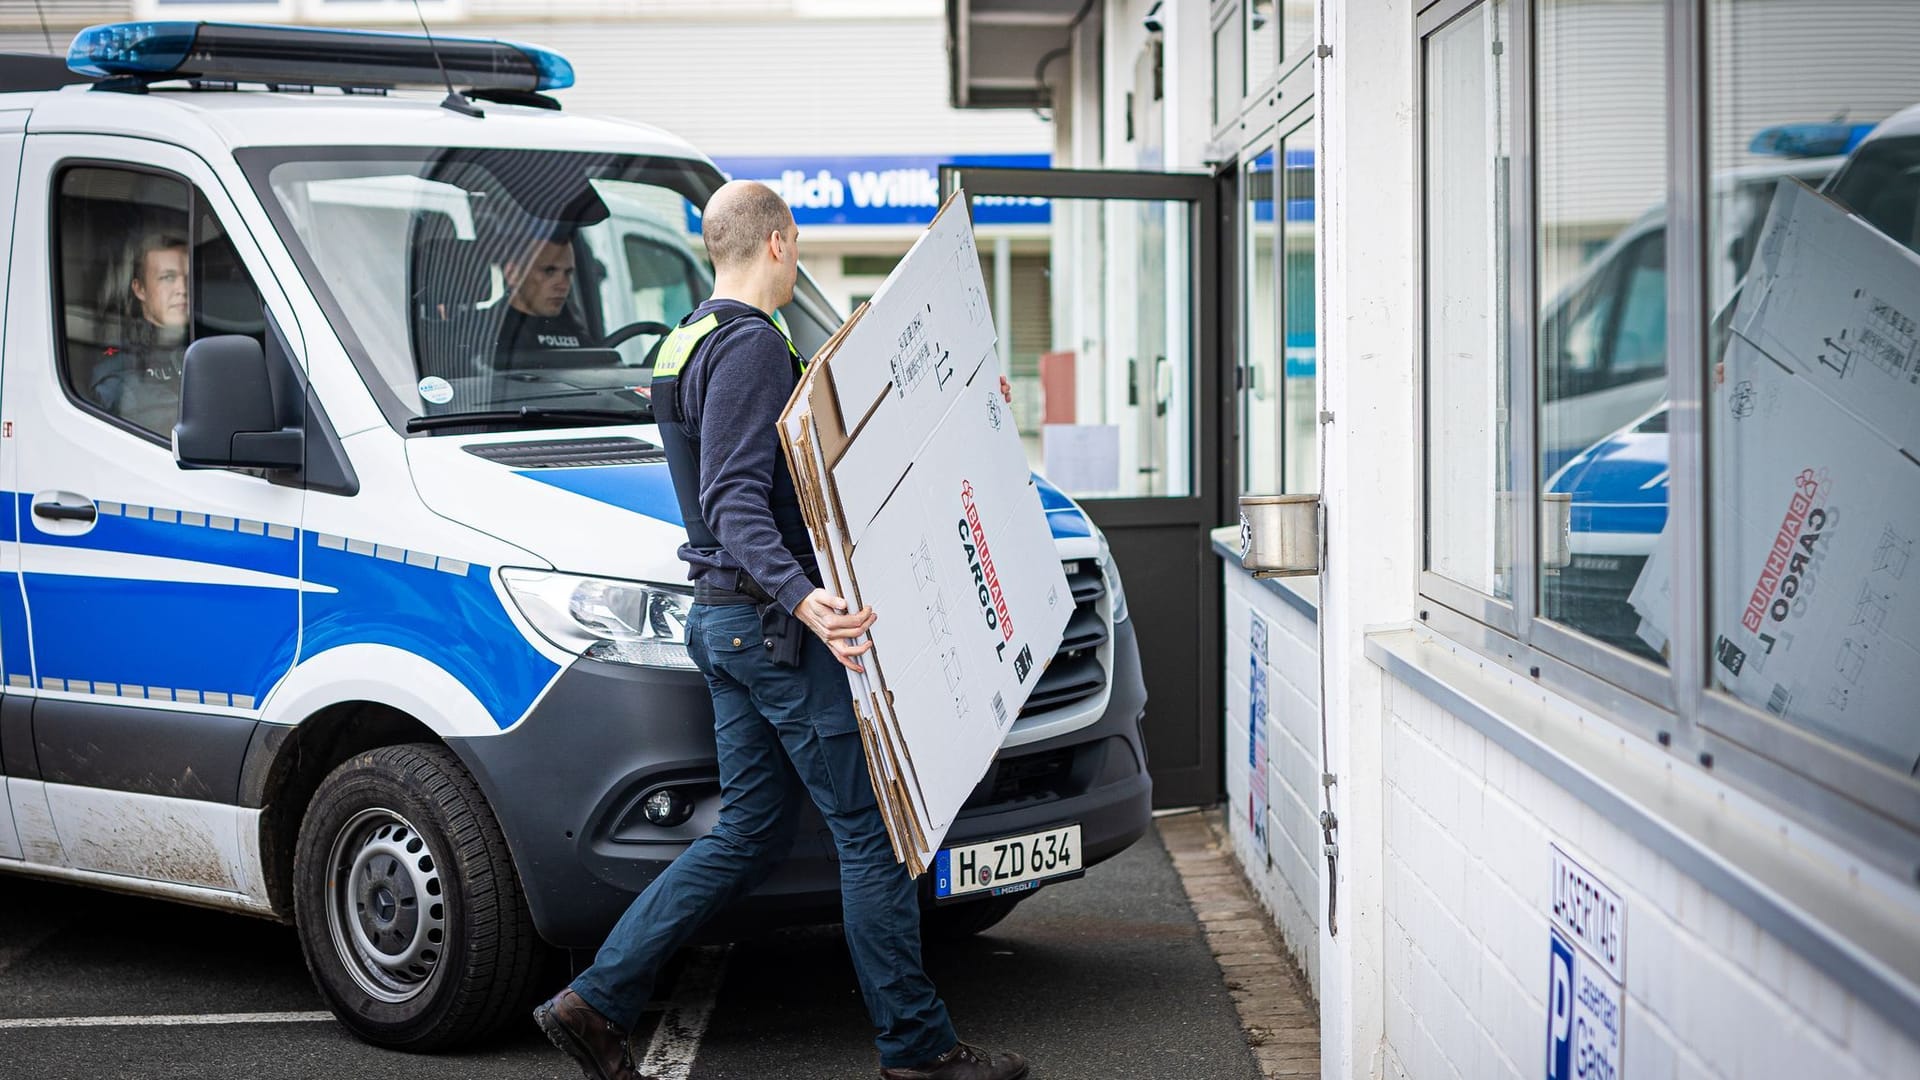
(339,581)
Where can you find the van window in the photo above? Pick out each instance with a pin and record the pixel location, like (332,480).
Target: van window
(143,270)
(494,281)
(1613,329)
(665,282)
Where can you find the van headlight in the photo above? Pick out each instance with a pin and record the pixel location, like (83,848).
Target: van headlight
(622,622)
(1112,574)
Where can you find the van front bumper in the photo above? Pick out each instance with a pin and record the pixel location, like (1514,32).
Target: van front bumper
(568,781)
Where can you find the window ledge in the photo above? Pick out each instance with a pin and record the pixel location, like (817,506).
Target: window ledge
(1860,935)
(1300,593)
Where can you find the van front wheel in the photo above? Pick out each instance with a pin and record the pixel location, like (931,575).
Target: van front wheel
(408,907)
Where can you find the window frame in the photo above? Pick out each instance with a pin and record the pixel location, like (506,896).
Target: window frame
(1225,116)
(56,280)
(1277,110)
(1268,142)
(1868,808)
(1285,131)
(1485,608)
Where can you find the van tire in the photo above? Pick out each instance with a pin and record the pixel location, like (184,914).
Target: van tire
(438,959)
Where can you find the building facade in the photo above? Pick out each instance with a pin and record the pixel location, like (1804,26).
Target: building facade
(1615,777)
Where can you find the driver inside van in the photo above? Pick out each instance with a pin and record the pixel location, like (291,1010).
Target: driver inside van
(138,380)
(539,283)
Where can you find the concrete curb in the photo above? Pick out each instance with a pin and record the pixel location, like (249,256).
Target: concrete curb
(1277,1012)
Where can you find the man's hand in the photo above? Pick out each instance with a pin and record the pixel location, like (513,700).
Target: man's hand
(1006,389)
(826,615)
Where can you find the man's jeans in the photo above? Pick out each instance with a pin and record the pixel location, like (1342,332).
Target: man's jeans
(759,710)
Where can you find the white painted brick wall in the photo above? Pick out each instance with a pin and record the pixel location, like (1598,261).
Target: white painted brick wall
(1708,994)
(1288,879)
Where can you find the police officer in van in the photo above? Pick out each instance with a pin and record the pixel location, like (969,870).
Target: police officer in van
(539,282)
(138,379)
(771,642)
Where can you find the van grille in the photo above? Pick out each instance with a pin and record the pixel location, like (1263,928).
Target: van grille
(1075,673)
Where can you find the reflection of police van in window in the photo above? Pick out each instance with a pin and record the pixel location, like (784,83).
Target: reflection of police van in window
(1603,336)
(340,580)
(1604,391)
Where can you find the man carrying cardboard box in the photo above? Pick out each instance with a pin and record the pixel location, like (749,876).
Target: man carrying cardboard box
(720,383)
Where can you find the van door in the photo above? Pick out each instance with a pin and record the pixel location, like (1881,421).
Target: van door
(16,749)
(163,603)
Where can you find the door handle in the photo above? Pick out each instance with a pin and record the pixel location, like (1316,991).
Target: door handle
(54,511)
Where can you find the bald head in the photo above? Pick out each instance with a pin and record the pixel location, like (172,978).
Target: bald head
(738,221)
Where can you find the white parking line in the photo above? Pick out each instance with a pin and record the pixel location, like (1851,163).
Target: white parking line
(677,1040)
(189,1020)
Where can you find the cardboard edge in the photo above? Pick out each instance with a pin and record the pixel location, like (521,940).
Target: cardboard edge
(917,836)
(882,795)
(822,356)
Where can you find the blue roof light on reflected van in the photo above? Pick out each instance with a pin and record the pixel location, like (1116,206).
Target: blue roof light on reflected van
(1809,140)
(311,56)
(130,48)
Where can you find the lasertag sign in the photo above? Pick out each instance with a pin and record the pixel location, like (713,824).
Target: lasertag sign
(1587,948)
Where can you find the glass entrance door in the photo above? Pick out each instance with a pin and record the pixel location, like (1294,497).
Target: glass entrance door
(1113,352)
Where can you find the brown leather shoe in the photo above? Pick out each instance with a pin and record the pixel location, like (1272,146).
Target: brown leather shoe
(964,1062)
(592,1040)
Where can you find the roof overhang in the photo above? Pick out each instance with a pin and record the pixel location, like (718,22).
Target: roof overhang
(996,48)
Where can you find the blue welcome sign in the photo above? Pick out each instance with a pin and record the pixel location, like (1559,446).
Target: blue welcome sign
(888,189)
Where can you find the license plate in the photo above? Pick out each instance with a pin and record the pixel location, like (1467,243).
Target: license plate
(1015,864)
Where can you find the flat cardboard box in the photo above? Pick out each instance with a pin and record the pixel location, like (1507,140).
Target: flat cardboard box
(962,569)
(1837,302)
(917,493)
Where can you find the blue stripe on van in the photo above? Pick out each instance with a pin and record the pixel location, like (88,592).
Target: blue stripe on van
(205,543)
(229,639)
(1066,520)
(1051,498)
(454,621)
(1619,485)
(643,489)
(15,657)
(1067,524)
(133,632)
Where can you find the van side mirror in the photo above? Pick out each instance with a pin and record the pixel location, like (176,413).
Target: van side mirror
(228,419)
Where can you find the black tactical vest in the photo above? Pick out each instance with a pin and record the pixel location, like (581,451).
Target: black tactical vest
(689,345)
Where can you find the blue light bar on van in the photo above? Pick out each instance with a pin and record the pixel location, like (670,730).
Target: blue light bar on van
(1809,140)
(311,56)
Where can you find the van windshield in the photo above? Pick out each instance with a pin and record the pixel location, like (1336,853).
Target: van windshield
(508,286)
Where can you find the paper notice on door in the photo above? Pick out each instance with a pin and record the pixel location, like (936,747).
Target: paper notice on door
(1082,459)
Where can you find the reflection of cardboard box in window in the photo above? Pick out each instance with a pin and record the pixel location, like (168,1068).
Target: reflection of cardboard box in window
(1652,596)
(1817,603)
(1837,301)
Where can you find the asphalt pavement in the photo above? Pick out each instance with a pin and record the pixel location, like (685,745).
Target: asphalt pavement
(1107,977)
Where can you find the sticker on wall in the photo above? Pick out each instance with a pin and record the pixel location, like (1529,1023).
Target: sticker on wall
(1587,958)
(1257,737)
